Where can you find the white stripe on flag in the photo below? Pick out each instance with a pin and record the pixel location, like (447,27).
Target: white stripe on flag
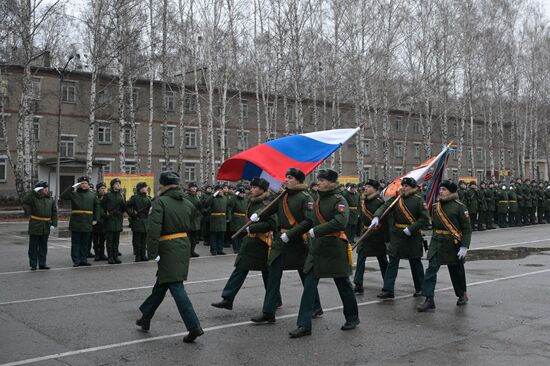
(333,137)
(274,184)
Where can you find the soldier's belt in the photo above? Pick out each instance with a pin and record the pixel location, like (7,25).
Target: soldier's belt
(40,218)
(504,201)
(173,236)
(401,226)
(85,212)
(239,214)
(217,214)
(352,208)
(512,201)
(443,232)
(305,236)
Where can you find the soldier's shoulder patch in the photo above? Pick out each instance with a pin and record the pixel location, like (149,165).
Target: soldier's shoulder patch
(466,214)
(341,207)
(310,205)
(425,205)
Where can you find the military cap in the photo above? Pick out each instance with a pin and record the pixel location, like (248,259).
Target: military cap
(450,185)
(114,181)
(327,174)
(169,177)
(373,183)
(41,184)
(83,179)
(409,181)
(191,185)
(218,186)
(140,185)
(99,185)
(352,185)
(472,183)
(259,182)
(296,173)
(240,188)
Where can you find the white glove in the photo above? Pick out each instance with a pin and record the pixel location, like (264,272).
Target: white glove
(216,193)
(407,231)
(462,252)
(75,186)
(94,223)
(157,258)
(254,217)
(375,221)
(285,238)
(38,189)
(248,229)
(311,233)
(52,227)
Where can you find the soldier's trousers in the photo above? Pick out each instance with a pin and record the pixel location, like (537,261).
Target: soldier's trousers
(194,236)
(185,308)
(490,219)
(139,244)
(345,291)
(533,215)
(473,220)
(540,215)
(38,249)
(526,215)
(272,293)
(351,229)
(98,239)
(113,240)
(547,216)
(236,281)
(360,269)
(79,246)
(481,219)
(217,240)
(515,219)
(236,243)
(456,272)
(502,220)
(417,271)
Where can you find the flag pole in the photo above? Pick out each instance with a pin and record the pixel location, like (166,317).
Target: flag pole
(381,217)
(269,206)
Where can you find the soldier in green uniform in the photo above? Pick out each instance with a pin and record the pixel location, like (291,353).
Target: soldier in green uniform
(502,205)
(254,248)
(491,205)
(195,229)
(289,250)
(205,222)
(329,255)
(169,245)
(527,203)
(540,202)
(514,217)
(462,191)
(405,220)
(374,242)
(472,204)
(238,216)
(217,211)
(98,232)
(43,217)
(352,197)
(314,190)
(449,245)
(138,212)
(113,206)
(518,188)
(482,207)
(84,215)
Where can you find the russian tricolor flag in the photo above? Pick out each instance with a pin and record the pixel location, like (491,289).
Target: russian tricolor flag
(272,159)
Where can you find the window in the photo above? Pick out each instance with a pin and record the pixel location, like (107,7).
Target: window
(454,154)
(242,143)
(169,101)
(479,154)
(365,173)
(398,149)
(399,123)
(398,172)
(190,103)
(416,125)
(417,151)
(169,136)
(36,129)
(454,175)
(104,133)
(479,132)
(67,146)
(479,175)
(130,167)
(129,133)
(290,113)
(166,166)
(36,88)
(191,138)
(68,92)
(106,166)
(366,147)
(189,172)
(243,108)
(3,168)
(103,98)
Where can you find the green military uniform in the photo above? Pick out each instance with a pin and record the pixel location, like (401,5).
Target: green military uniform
(540,204)
(43,214)
(84,212)
(374,243)
(113,206)
(528,204)
(410,213)
(482,208)
(329,255)
(98,232)
(353,203)
(514,217)
(472,204)
(451,231)
(217,211)
(205,221)
(238,218)
(138,214)
(170,219)
(491,207)
(195,228)
(502,207)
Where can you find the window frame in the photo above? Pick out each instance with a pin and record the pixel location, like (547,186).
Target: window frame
(65,87)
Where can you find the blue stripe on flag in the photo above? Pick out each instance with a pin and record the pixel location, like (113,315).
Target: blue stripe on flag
(251,170)
(302,148)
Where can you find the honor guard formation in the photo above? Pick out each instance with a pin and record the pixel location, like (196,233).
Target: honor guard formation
(310,229)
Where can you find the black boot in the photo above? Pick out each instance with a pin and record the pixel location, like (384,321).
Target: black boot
(111,258)
(385,295)
(426,305)
(264,318)
(462,300)
(358,289)
(193,334)
(317,313)
(143,323)
(224,304)
(350,325)
(299,332)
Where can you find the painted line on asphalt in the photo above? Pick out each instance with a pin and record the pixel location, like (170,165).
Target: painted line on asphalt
(238,324)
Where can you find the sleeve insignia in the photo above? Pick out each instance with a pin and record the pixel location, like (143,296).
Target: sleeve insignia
(466,215)
(341,207)
(310,205)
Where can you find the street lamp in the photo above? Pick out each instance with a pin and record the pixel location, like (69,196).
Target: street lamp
(60,96)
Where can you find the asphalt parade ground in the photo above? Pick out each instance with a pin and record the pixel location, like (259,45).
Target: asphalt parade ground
(86,315)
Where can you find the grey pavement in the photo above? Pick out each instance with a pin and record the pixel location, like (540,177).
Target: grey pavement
(86,315)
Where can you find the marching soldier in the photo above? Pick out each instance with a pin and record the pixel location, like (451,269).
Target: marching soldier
(374,243)
(314,190)
(405,221)
(84,215)
(43,217)
(449,245)
(254,248)
(329,255)
(138,212)
(217,206)
(113,206)
(289,250)
(195,229)
(352,197)
(169,245)
(98,232)
(502,206)
(238,216)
